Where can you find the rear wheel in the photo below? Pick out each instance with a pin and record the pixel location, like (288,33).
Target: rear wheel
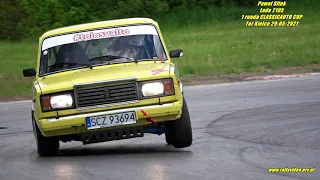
(180,131)
(47,146)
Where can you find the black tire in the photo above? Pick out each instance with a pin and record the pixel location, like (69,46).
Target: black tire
(181,129)
(47,146)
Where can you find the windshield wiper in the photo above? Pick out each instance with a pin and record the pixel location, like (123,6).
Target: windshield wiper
(111,58)
(69,64)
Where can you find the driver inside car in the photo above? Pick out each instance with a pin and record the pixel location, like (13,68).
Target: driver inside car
(128,47)
(69,55)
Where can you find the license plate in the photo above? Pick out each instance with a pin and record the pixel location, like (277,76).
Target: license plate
(111,120)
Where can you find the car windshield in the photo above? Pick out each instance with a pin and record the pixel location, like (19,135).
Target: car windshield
(100,47)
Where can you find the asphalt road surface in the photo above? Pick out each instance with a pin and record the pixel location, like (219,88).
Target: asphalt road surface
(240,130)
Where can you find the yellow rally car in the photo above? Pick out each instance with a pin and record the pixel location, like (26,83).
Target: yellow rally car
(106,81)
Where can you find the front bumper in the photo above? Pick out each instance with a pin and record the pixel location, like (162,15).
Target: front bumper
(75,124)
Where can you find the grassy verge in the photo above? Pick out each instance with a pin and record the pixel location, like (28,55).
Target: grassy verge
(215,42)
(232,48)
(14,57)
(224,45)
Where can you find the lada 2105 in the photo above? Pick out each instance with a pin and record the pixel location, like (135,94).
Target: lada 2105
(106,81)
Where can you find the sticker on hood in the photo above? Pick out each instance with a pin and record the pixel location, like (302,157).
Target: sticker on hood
(157,71)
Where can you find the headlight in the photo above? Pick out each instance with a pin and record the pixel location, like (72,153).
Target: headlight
(152,89)
(61,101)
(157,88)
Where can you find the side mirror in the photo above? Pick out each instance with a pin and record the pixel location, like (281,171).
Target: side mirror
(29,72)
(176,53)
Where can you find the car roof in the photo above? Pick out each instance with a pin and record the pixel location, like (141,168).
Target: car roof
(100,24)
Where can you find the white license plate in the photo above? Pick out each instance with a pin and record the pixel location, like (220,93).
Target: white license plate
(111,120)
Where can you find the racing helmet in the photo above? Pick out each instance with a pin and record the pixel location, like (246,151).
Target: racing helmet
(128,41)
(136,40)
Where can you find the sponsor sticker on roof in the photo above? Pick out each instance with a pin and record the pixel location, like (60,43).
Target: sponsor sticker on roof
(98,34)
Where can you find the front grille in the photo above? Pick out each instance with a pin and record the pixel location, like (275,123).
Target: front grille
(106,94)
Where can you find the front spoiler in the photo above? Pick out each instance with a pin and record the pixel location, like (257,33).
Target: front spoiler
(75,124)
(113,134)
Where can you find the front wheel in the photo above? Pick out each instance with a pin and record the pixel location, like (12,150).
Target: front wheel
(180,131)
(47,146)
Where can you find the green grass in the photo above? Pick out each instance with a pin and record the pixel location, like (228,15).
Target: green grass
(14,57)
(214,41)
(232,48)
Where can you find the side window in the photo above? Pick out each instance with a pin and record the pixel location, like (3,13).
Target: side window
(159,48)
(48,58)
(52,55)
(150,46)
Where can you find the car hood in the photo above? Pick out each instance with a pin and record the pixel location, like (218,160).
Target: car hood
(64,81)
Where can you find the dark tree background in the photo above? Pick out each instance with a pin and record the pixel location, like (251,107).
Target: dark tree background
(21,18)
